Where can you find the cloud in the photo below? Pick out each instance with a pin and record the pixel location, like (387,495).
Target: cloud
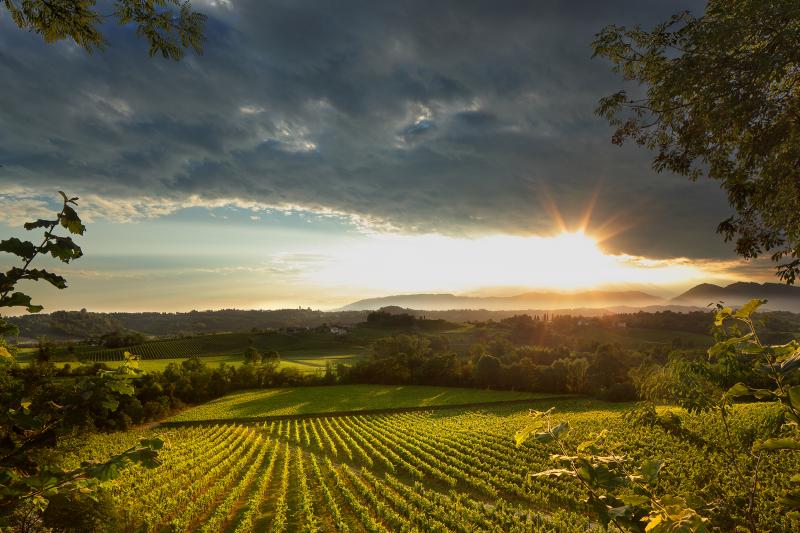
(459,118)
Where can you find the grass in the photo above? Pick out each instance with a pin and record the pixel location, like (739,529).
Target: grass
(307,361)
(303,400)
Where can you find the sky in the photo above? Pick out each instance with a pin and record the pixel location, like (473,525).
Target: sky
(322,152)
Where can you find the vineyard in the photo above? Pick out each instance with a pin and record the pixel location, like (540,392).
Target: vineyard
(452,470)
(303,348)
(170,349)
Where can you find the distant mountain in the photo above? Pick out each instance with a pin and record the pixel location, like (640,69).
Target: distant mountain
(526,301)
(779,297)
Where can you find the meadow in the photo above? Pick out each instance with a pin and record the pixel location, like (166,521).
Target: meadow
(446,470)
(324,399)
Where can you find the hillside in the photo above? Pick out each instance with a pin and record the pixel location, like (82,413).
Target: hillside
(779,297)
(524,301)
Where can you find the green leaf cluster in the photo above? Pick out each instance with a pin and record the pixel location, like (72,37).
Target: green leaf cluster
(62,248)
(718,96)
(618,493)
(169,26)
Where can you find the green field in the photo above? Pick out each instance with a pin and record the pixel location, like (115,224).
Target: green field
(308,363)
(305,343)
(303,400)
(448,470)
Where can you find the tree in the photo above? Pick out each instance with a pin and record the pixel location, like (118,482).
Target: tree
(252,355)
(487,370)
(170,26)
(28,423)
(721,98)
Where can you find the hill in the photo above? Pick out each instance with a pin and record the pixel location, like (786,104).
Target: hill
(524,301)
(779,297)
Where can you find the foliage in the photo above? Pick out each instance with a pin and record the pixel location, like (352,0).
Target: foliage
(721,99)
(699,386)
(617,492)
(29,483)
(170,26)
(61,248)
(29,416)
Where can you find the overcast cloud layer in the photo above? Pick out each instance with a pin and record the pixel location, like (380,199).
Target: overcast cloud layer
(452,117)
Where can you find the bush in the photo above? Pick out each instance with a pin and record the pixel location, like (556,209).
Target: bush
(619,392)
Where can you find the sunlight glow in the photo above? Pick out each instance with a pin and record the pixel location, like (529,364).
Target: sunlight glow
(435,263)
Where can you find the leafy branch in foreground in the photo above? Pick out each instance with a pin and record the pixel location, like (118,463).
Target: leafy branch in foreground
(29,423)
(619,493)
(628,498)
(61,248)
(717,95)
(170,26)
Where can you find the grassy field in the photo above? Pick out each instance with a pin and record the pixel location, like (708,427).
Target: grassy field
(302,400)
(448,470)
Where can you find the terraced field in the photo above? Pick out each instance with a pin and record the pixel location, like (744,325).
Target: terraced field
(451,470)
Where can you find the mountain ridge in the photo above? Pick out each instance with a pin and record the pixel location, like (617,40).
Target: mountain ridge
(523,301)
(780,297)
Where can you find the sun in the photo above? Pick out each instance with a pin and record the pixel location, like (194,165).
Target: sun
(437,263)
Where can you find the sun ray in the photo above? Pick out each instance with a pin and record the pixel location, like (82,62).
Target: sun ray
(587,213)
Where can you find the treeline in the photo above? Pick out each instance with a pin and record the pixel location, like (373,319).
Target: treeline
(84,324)
(156,394)
(607,372)
(406,321)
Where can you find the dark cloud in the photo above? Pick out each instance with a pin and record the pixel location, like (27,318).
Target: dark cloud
(457,117)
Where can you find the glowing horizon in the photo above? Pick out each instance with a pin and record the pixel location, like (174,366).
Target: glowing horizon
(567,261)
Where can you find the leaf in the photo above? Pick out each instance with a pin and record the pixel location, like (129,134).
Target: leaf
(70,220)
(40,223)
(549,436)
(650,471)
(19,299)
(791,362)
(740,389)
(721,315)
(522,435)
(763,394)
(62,248)
(653,523)
(54,279)
(749,308)
(560,429)
(781,443)
(794,395)
(24,249)
(635,499)
(619,512)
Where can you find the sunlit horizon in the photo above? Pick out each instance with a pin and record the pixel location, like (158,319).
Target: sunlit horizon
(564,262)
